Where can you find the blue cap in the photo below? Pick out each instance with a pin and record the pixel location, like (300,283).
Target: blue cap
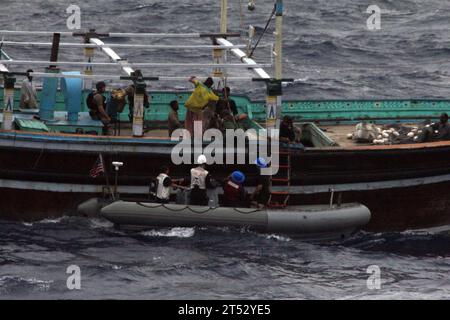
(238,177)
(261,163)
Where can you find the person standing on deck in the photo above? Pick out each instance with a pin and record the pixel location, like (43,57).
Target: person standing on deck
(226,103)
(28,94)
(96,103)
(200,180)
(173,120)
(261,196)
(199,100)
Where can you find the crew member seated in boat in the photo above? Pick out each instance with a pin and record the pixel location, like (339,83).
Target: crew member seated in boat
(200,180)
(234,194)
(261,196)
(198,101)
(130,90)
(28,94)
(288,132)
(96,103)
(173,121)
(437,131)
(164,184)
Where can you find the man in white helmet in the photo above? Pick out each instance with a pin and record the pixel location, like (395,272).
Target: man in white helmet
(200,180)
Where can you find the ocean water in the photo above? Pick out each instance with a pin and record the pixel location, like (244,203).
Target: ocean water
(216,263)
(331,54)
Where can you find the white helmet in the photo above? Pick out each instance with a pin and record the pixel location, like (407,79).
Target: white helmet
(201,159)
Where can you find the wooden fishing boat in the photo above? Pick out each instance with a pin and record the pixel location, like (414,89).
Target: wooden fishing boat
(45,164)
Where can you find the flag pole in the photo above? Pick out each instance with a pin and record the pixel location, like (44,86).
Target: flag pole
(107,178)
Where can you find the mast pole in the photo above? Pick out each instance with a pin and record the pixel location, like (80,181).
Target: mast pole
(224,17)
(274,87)
(278,40)
(219,54)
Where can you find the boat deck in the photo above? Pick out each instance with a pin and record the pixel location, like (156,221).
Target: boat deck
(338,133)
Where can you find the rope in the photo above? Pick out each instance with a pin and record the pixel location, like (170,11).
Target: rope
(265,29)
(241,14)
(190,209)
(174,210)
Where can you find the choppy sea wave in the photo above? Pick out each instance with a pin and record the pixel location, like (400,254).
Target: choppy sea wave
(332,54)
(224,263)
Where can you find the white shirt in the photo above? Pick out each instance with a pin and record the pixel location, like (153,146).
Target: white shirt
(28,95)
(162,192)
(198,177)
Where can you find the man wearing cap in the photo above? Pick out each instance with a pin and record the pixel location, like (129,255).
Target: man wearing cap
(234,194)
(288,132)
(261,196)
(96,102)
(200,180)
(28,95)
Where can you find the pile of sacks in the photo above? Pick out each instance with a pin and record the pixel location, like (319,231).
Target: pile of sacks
(382,135)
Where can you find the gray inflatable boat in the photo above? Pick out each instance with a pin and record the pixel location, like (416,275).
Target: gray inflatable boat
(312,222)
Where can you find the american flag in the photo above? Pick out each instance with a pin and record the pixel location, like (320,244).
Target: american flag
(98,167)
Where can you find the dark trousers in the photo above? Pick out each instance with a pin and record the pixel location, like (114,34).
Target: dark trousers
(199,197)
(164,201)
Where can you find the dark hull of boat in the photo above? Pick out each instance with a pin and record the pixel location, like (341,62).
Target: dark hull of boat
(392,209)
(403,186)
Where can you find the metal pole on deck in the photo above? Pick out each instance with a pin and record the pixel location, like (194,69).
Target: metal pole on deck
(274,88)
(138,112)
(8,99)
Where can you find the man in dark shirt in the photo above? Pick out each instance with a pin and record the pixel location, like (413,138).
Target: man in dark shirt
(261,196)
(226,103)
(437,131)
(173,120)
(234,194)
(287,132)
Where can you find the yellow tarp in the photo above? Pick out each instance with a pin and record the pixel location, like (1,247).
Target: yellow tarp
(201,96)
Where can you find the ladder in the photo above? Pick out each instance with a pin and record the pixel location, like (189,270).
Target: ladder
(280,199)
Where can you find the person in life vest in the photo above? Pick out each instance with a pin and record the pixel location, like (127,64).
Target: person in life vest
(202,96)
(234,194)
(164,184)
(261,196)
(96,103)
(200,180)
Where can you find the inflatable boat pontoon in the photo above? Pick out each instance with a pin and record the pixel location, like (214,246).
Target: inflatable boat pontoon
(315,222)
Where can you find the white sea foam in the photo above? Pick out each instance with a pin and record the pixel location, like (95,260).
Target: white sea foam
(174,232)
(51,221)
(278,237)
(41,284)
(96,223)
